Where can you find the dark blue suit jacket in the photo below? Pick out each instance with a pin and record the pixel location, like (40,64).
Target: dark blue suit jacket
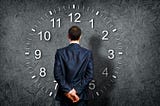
(73,68)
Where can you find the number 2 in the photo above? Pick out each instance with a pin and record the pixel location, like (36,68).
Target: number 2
(105,37)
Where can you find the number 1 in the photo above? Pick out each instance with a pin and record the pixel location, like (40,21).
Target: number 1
(92,23)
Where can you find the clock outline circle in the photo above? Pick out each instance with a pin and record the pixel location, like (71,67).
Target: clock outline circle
(73,8)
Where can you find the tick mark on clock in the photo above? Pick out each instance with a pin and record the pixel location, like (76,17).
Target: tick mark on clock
(27,58)
(38,21)
(68,6)
(101,90)
(29,39)
(119,62)
(105,18)
(74,6)
(114,76)
(97,13)
(83,7)
(28,43)
(30,67)
(111,26)
(31,34)
(46,15)
(118,67)
(119,58)
(54,11)
(42,18)
(39,85)
(88,8)
(120,53)
(46,91)
(50,94)
(126,50)
(64,7)
(31,72)
(119,47)
(27,48)
(78,7)
(114,30)
(36,26)
(36,80)
(108,22)
(27,53)
(92,10)
(50,12)
(116,72)
(33,30)
(119,43)
(97,93)
(27,63)
(59,9)
(118,38)
(33,76)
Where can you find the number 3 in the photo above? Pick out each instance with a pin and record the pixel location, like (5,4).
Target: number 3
(111,54)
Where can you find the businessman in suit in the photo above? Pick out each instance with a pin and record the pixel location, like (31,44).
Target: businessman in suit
(73,70)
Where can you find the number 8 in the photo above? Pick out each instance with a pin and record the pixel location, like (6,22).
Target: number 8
(42,72)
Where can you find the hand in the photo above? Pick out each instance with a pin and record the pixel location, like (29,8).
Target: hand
(72,95)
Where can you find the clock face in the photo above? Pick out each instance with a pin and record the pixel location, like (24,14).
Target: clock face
(99,33)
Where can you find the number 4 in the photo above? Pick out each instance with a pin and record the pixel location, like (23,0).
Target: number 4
(105,72)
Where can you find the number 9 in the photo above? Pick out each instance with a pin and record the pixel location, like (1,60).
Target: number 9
(38,54)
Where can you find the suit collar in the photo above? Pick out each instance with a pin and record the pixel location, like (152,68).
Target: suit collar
(74,45)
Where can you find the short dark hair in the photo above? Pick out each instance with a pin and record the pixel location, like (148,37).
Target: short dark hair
(74,33)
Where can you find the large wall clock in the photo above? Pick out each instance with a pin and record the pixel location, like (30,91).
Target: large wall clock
(122,34)
(99,33)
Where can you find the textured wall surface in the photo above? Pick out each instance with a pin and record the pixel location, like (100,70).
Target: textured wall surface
(138,82)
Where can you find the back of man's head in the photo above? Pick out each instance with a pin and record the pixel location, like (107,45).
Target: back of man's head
(74,33)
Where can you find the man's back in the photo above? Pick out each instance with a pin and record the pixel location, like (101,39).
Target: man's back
(77,69)
(73,70)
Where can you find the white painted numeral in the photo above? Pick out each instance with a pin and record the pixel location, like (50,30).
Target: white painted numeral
(54,21)
(56,84)
(42,72)
(105,37)
(46,36)
(92,85)
(111,54)
(75,18)
(37,54)
(105,72)
(92,23)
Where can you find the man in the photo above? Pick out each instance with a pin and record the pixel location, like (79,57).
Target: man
(73,70)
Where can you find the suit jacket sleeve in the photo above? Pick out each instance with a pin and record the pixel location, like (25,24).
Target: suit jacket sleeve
(88,76)
(59,74)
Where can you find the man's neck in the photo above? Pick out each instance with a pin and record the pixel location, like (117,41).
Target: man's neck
(74,42)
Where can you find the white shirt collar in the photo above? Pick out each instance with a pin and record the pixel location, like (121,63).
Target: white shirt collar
(74,42)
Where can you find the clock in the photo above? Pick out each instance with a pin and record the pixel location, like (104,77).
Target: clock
(49,32)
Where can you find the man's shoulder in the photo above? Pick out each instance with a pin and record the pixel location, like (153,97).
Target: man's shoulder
(86,49)
(80,48)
